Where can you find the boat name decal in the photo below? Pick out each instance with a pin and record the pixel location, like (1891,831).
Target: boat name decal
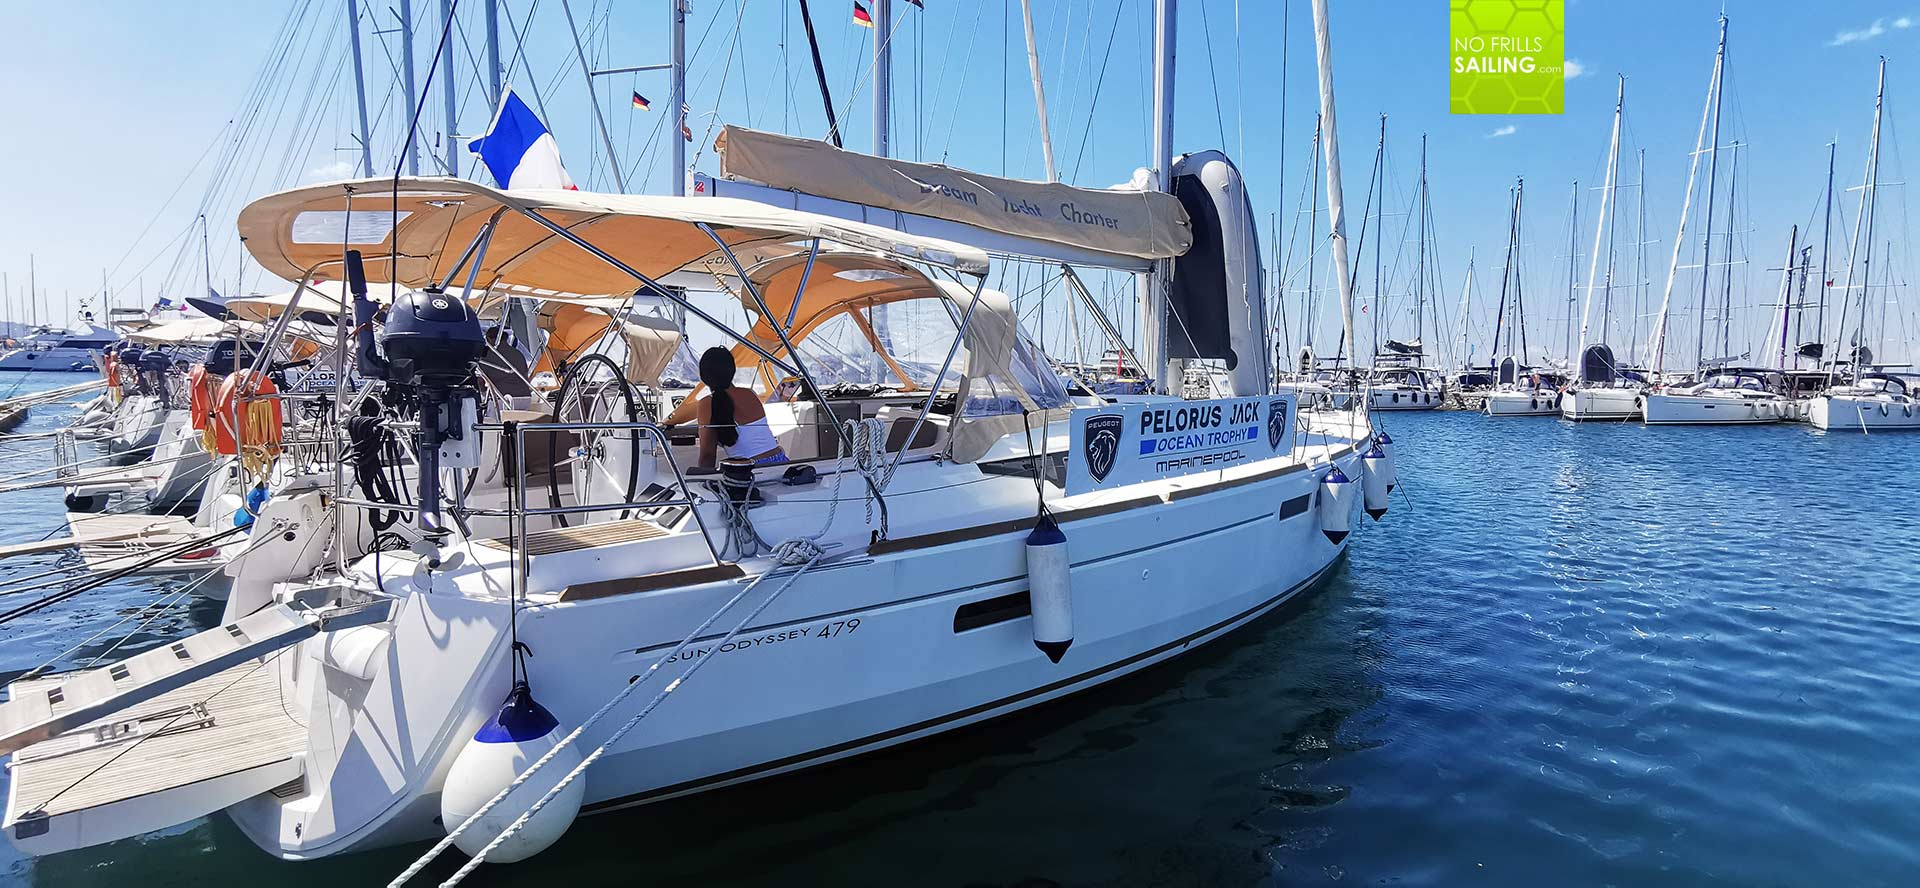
(1130,443)
(827,630)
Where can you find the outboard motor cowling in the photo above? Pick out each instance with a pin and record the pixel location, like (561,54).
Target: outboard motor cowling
(432,339)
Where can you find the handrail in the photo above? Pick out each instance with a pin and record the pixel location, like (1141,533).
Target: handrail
(518,431)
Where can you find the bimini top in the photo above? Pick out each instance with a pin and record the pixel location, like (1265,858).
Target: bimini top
(186,331)
(307,228)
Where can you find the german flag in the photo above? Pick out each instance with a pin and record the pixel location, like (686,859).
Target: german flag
(640,101)
(860,16)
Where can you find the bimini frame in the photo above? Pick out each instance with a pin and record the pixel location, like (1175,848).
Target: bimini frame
(267,229)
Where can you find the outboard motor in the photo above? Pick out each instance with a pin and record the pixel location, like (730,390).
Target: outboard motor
(223,358)
(154,365)
(130,368)
(432,343)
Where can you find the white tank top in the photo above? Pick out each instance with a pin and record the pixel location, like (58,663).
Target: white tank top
(755,439)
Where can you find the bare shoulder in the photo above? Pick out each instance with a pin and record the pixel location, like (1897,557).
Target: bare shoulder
(746,405)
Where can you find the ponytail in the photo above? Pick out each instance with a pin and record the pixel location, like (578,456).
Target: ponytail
(716,370)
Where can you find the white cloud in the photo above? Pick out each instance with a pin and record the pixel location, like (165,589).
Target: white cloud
(331,172)
(1869,32)
(1903,23)
(1507,130)
(1572,69)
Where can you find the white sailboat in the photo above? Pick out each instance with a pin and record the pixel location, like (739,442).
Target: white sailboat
(1724,393)
(1863,397)
(1518,390)
(1600,390)
(971,546)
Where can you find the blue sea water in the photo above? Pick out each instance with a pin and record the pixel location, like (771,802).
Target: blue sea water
(1568,656)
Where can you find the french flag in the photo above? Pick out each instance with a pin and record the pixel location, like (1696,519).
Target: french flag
(519,150)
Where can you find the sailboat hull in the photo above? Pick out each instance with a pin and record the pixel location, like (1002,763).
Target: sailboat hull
(911,640)
(1599,404)
(1669,409)
(1844,413)
(1528,403)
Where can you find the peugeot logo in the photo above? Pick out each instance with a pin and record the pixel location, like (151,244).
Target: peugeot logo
(1102,445)
(1276,421)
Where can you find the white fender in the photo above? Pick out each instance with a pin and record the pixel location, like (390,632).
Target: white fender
(1374,481)
(517,736)
(1336,505)
(1050,588)
(1392,468)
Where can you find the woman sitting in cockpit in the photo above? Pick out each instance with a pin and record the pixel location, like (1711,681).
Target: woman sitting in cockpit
(732,417)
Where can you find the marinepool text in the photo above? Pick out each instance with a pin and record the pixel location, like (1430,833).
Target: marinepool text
(1130,443)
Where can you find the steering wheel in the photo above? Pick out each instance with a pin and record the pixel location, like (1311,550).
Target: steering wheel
(605,464)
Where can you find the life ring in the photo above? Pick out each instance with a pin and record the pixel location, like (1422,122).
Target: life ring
(202,387)
(245,421)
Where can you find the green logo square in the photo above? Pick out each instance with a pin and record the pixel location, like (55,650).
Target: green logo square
(1506,56)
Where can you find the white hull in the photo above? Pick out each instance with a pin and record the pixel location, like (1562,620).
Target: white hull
(50,360)
(1671,409)
(808,684)
(1851,413)
(1403,398)
(1589,404)
(1531,403)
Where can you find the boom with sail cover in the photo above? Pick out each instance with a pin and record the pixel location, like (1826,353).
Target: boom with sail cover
(1133,222)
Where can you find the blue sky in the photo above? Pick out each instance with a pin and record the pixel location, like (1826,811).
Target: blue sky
(122,110)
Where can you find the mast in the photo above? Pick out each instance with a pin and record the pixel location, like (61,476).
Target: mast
(1310,317)
(677,28)
(1639,258)
(1420,263)
(1726,280)
(1864,219)
(1506,275)
(1713,181)
(449,95)
(1603,224)
(1786,291)
(360,89)
(206,254)
(1039,90)
(1826,241)
(1573,269)
(1153,298)
(406,79)
(1657,347)
(1379,224)
(1466,300)
(492,8)
(1336,212)
(883,75)
(882,145)
(1519,291)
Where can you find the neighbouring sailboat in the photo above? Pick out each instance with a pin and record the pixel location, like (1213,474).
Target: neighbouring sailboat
(1519,389)
(1865,397)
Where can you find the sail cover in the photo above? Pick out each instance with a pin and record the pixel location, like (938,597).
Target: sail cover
(1132,222)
